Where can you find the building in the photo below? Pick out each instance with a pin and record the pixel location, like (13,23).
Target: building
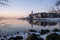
(44,15)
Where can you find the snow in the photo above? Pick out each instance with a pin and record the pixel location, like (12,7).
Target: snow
(25,35)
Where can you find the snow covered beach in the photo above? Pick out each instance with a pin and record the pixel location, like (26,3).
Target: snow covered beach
(27,35)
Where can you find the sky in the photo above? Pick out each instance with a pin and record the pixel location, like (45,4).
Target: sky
(22,8)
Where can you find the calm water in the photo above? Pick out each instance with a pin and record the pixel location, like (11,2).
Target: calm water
(11,26)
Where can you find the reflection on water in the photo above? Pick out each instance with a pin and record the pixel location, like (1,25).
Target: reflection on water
(11,26)
(34,22)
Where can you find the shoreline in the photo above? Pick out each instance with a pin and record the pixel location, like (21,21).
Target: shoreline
(30,32)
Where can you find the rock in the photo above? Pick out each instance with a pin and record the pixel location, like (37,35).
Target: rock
(31,30)
(55,30)
(53,36)
(34,37)
(18,38)
(44,32)
(2,39)
(12,38)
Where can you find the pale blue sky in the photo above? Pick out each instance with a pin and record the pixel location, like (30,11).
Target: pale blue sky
(19,8)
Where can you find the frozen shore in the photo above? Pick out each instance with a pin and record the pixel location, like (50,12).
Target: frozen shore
(24,36)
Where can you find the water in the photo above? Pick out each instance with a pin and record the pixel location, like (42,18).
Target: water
(11,26)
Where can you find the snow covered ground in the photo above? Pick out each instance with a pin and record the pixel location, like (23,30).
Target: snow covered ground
(25,35)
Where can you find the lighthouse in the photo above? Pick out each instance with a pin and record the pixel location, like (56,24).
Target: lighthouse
(31,12)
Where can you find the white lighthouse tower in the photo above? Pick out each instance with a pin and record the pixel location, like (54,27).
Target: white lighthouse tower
(31,12)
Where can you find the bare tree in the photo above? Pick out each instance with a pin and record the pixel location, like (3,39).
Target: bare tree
(3,2)
(58,5)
